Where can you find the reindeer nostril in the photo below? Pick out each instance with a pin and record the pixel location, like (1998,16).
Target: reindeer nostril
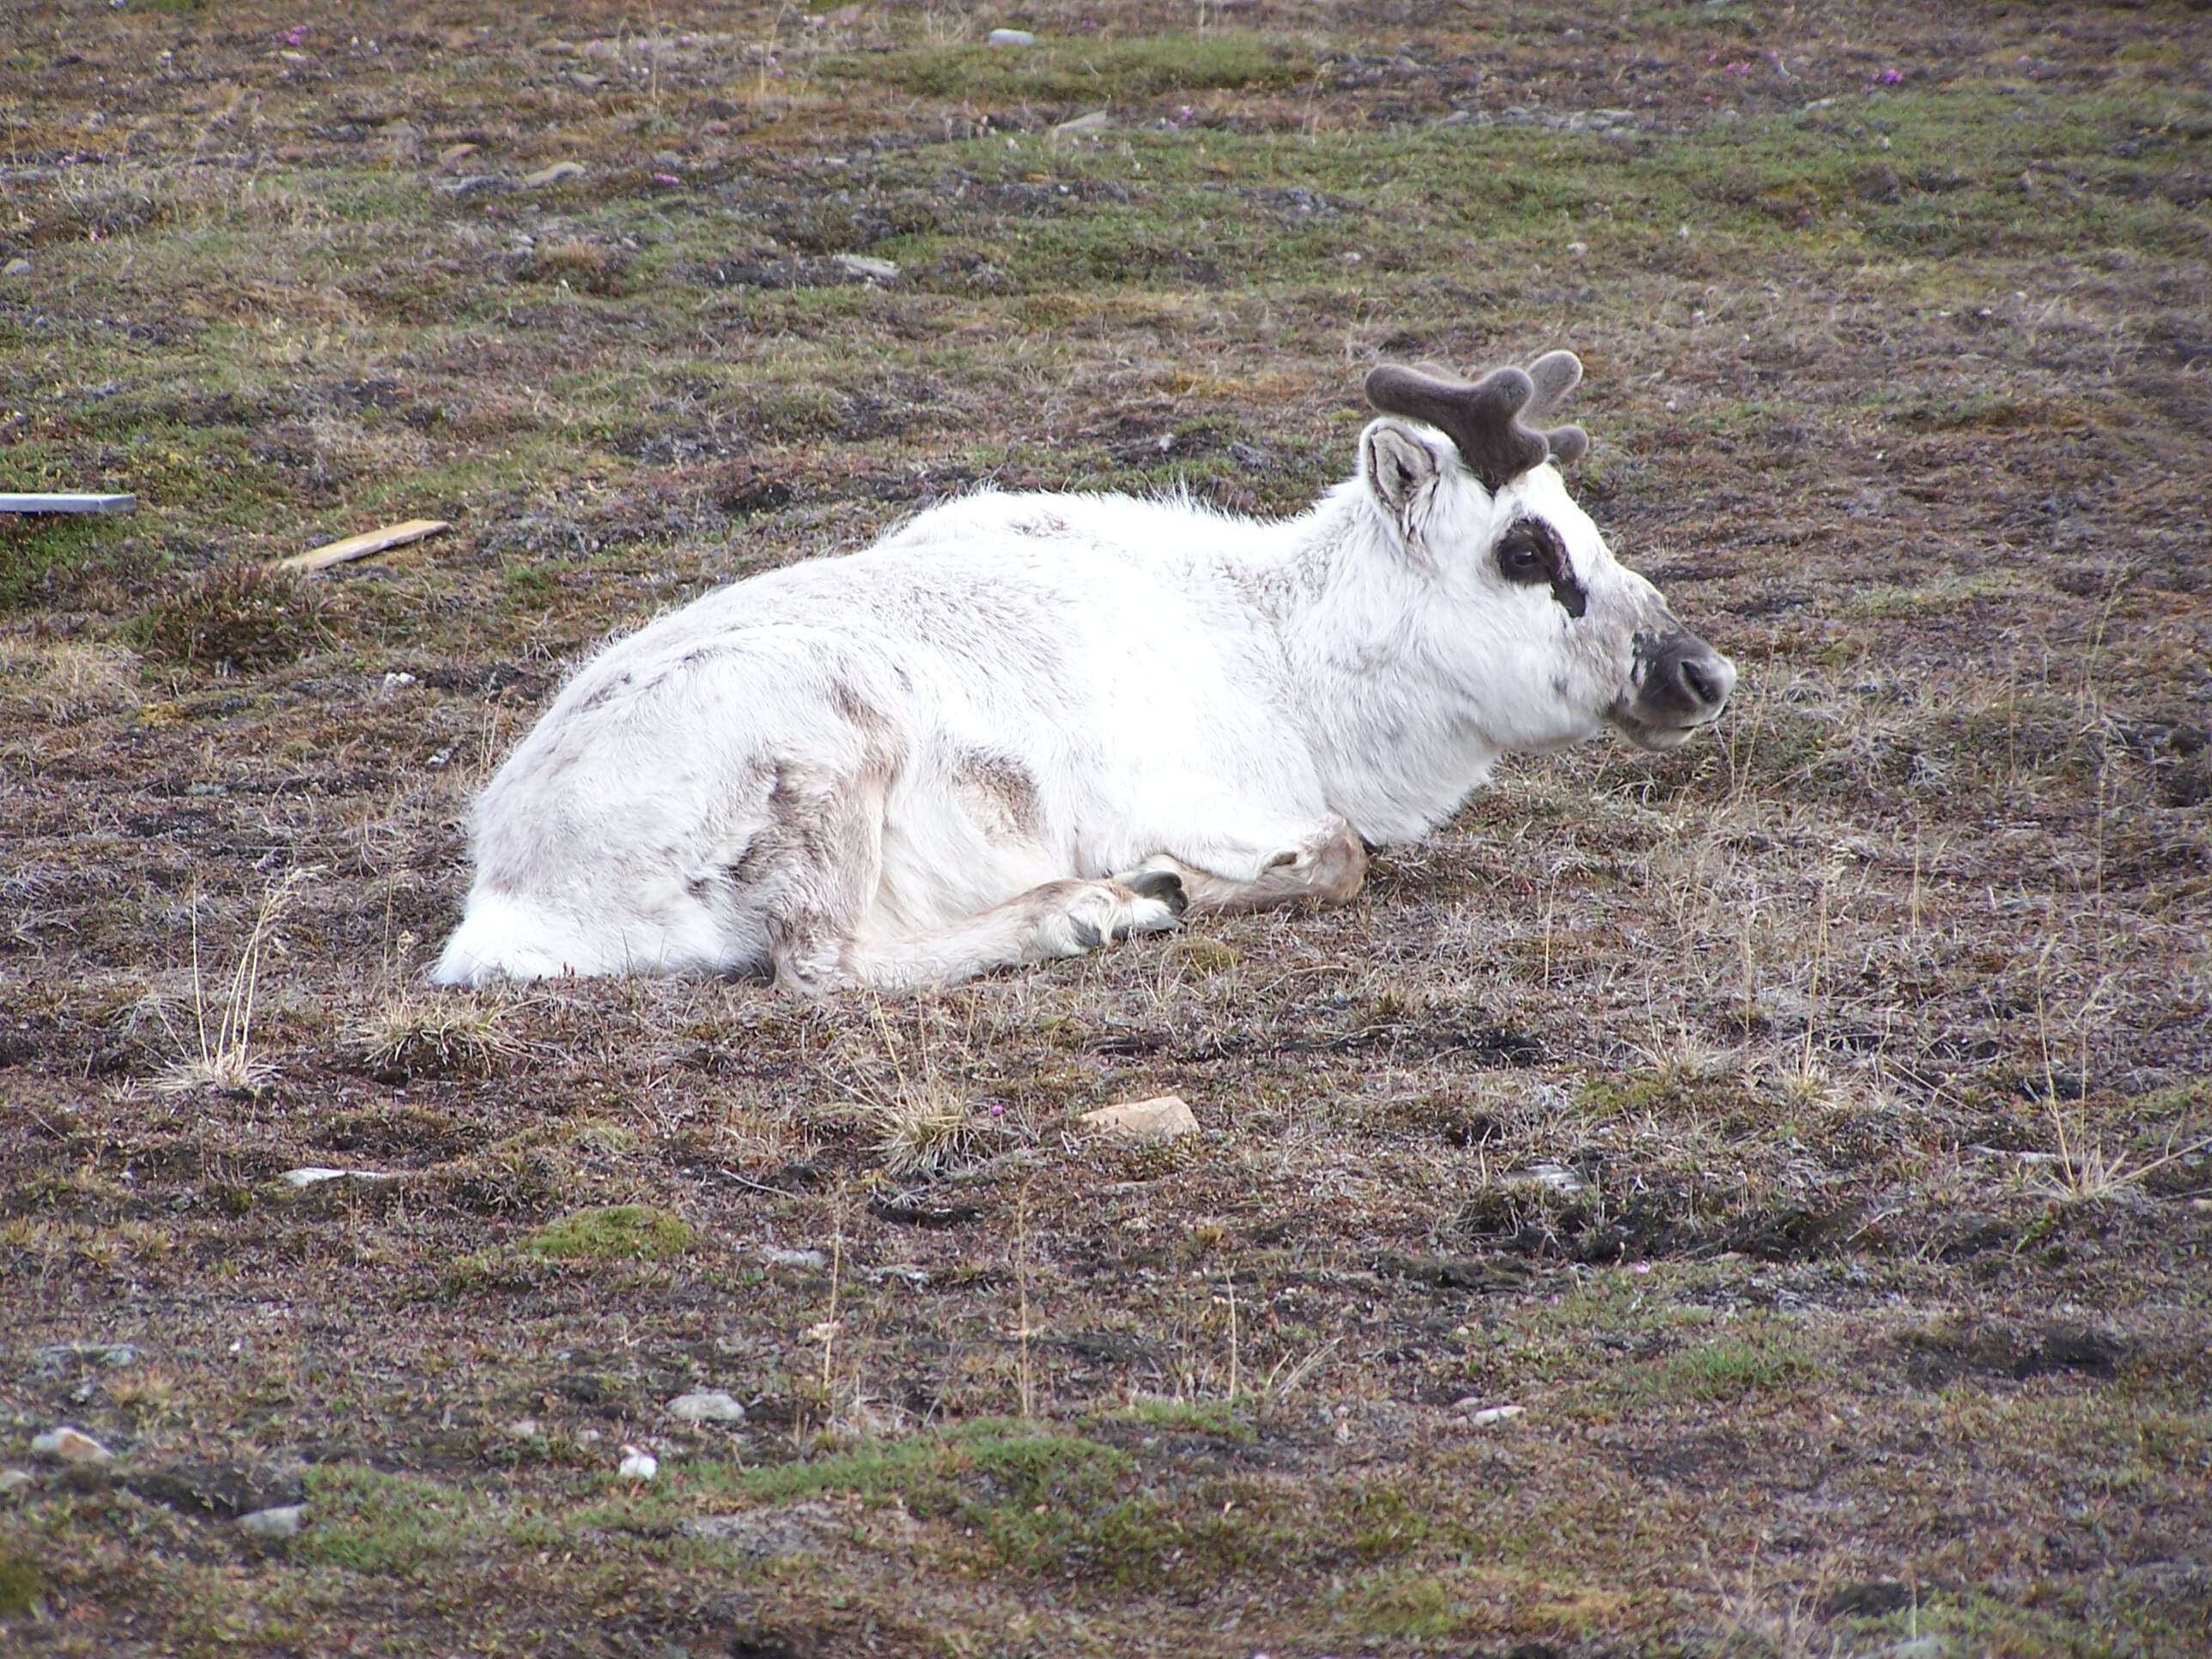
(1703,682)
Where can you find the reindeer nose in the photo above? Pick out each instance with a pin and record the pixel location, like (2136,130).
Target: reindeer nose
(1686,681)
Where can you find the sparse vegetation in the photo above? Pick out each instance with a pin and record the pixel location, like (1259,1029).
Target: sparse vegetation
(19,1586)
(64,679)
(1805,1128)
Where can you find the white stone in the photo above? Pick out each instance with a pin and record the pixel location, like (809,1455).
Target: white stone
(16,268)
(1491,1415)
(552,175)
(310,1175)
(13,1481)
(638,1464)
(1010,37)
(69,1445)
(1557,1176)
(778,1258)
(875,270)
(706,1406)
(1096,121)
(281,1523)
(1162,1117)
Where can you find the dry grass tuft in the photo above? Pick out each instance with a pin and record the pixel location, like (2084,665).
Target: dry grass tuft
(924,1129)
(238,617)
(436,1036)
(920,1123)
(2087,1172)
(225,1058)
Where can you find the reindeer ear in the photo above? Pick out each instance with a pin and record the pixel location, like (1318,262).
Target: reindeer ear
(1400,466)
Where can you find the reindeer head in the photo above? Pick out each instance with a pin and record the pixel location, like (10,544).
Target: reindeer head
(1553,639)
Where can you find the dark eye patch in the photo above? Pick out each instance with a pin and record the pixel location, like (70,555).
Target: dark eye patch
(1531,551)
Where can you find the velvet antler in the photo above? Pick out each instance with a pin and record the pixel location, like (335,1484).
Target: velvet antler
(1489,418)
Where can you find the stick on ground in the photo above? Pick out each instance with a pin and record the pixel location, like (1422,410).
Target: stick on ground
(360,546)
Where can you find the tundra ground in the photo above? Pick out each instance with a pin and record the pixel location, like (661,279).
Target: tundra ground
(1805,1129)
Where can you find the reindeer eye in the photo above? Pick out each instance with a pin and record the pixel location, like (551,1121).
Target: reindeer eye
(1521,557)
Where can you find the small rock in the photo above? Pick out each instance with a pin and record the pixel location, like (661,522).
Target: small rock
(706,1406)
(68,1445)
(638,1464)
(276,1524)
(1096,121)
(1491,1415)
(16,268)
(311,1174)
(453,153)
(13,1481)
(1010,37)
(1162,1117)
(776,1258)
(524,1428)
(552,175)
(858,265)
(1557,1176)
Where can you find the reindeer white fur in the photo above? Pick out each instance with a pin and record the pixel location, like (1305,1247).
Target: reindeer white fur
(1023,724)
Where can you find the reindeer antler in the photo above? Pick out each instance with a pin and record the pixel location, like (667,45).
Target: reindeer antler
(1485,418)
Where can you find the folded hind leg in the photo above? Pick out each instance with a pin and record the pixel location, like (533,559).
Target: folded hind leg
(1058,919)
(819,865)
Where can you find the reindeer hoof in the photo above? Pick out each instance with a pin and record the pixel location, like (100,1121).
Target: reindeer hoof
(1101,910)
(1164,885)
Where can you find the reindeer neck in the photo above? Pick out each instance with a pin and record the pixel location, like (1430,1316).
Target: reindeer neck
(1393,736)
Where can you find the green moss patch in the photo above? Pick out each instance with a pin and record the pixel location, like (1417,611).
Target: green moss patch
(613,1232)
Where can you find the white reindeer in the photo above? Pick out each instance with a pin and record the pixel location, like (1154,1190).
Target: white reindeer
(1023,724)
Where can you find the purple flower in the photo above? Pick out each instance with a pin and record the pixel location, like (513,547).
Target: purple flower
(666,178)
(1890,77)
